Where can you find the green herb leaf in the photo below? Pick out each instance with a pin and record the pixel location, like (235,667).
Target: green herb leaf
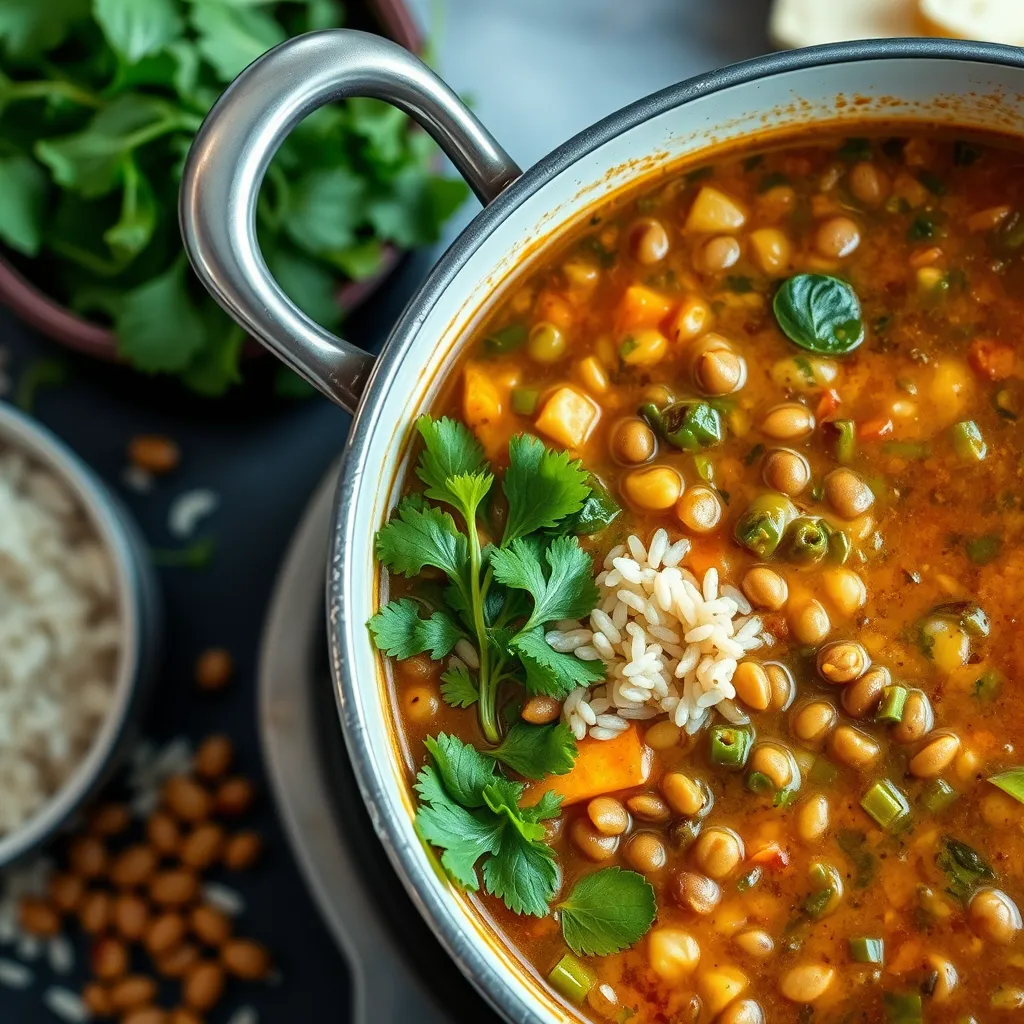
(400,633)
(466,772)
(550,672)
(607,911)
(535,751)
(134,228)
(542,486)
(307,282)
(138,28)
(232,37)
(22,198)
(417,537)
(28,27)
(158,328)
(1010,781)
(458,688)
(964,868)
(450,449)
(819,313)
(566,591)
(523,873)
(325,209)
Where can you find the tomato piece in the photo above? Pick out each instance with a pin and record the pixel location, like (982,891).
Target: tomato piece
(874,429)
(827,403)
(771,857)
(991,359)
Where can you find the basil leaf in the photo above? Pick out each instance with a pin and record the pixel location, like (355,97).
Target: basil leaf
(1011,781)
(819,313)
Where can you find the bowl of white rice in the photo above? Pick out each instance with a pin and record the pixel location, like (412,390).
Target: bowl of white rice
(78,629)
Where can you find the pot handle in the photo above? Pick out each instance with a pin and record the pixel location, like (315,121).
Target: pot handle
(238,139)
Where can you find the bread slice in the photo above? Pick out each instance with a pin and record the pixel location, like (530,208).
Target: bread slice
(807,22)
(996,21)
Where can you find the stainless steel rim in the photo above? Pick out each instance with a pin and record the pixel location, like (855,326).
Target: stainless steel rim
(139,606)
(344,622)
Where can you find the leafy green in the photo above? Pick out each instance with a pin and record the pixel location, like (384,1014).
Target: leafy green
(469,812)
(542,486)
(819,313)
(607,911)
(535,751)
(399,631)
(101,100)
(418,537)
(458,687)
(1011,782)
(964,868)
(549,672)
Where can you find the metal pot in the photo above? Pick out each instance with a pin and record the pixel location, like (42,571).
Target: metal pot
(951,83)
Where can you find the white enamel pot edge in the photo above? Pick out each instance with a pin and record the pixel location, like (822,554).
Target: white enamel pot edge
(963,84)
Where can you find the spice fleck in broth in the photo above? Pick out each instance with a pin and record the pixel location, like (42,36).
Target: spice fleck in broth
(714,705)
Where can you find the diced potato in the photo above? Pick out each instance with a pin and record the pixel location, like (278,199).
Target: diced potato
(482,407)
(602,766)
(568,417)
(714,212)
(555,309)
(642,307)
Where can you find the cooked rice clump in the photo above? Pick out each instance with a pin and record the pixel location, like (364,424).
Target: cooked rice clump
(59,637)
(670,642)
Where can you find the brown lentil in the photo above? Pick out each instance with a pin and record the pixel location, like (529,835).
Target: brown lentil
(242,850)
(133,867)
(109,958)
(541,710)
(214,669)
(131,916)
(213,758)
(174,888)
(203,985)
(165,933)
(186,799)
(203,847)
(131,991)
(765,588)
(154,453)
(235,796)
(245,959)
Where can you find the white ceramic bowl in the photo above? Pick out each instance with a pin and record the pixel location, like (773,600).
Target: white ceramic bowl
(137,610)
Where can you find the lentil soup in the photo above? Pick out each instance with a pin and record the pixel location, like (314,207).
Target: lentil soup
(703,595)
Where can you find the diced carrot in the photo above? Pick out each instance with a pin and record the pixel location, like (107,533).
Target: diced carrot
(992,359)
(641,307)
(555,309)
(827,404)
(771,857)
(602,766)
(874,429)
(568,417)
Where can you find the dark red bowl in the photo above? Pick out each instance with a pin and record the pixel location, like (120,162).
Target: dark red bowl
(56,321)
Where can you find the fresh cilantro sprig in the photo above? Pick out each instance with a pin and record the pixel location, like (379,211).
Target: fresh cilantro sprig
(500,596)
(99,103)
(475,817)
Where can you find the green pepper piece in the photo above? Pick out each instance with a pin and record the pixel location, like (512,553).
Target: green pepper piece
(758,782)
(867,951)
(885,804)
(839,546)
(806,541)
(763,524)
(730,745)
(524,401)
(572,978)
(846,441)
(705,468)
(690,424)
(902,1008)
(506,339)
(968,443)
(938,796)
(599,510)
(894,699)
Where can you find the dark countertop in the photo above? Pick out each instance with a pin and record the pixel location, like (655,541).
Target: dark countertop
(558,68)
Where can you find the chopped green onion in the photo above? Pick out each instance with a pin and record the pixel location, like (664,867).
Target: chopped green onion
(730,745)
(846,442)
(1010,782)
(524,401)
(784,797)
(907,449)
(749,880)
(705,468)
(758,782)
(894,700)
(572,978)
(938,796)
(506,339)
(903,1008)
(885,804)
(986,686)
(761,527)
(867,951)
(816,905)
(826,891)
(839,547)
(968,443)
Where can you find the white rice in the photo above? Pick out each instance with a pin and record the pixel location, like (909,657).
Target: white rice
(244,1015)
(59,636)
(66,1005)
(224,898)
(60,954)
(188,510)
(670,643)
(15,975)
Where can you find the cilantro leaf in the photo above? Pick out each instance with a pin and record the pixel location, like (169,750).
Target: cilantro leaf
(542,486)
(450,450)
(28,27)
(137,29)
(550,672)
(417,537)
(548,806)
(537,750)
(458,688)
(568,590)
(232,37)
(607,911)
(466,772)
(464,837)
(399,631)
(523,874)
(22,199)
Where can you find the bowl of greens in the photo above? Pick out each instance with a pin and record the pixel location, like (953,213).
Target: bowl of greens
(99,103)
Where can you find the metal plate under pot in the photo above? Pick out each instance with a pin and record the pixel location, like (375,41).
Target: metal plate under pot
(399,970)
